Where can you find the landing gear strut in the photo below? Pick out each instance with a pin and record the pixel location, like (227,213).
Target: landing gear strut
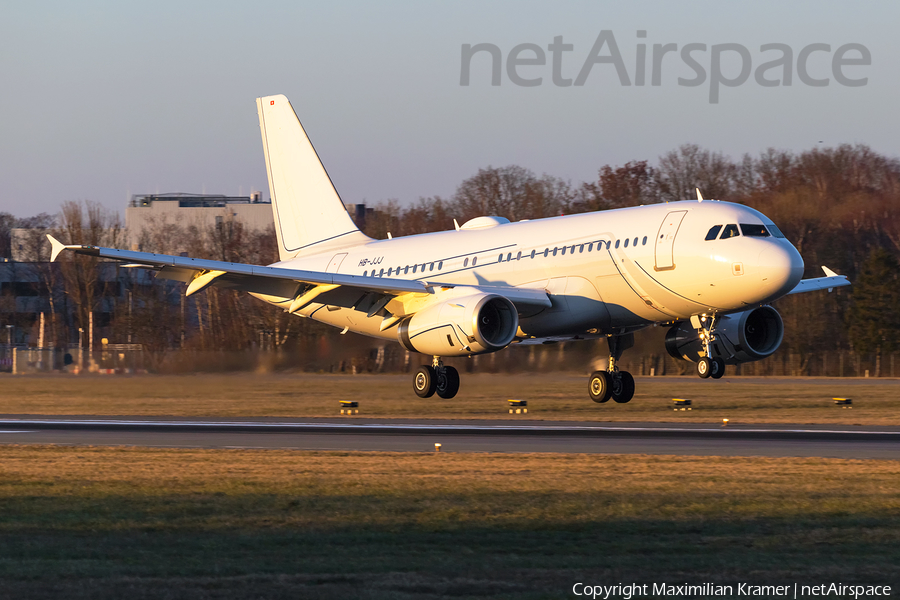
(613,383)
(435,377)
(706,366)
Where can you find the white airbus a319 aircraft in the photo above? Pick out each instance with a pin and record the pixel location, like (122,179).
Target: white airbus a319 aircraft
(706,269)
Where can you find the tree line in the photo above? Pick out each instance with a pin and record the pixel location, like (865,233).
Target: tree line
(838,205)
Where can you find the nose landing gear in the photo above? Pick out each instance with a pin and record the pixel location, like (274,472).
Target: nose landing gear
(706,366)
(613,383)
(436,377)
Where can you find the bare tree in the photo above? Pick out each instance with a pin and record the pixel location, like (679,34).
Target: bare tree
(86,223)
(681,171)
(512,192)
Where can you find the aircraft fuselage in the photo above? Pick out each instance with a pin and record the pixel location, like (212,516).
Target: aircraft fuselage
(606,272)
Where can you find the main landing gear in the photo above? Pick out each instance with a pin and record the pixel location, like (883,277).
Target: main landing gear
(436,378)
(613,383)
(706,366)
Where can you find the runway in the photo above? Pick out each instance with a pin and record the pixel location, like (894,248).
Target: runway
(354,433)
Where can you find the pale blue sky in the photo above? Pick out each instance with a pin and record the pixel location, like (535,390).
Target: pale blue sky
(105,99)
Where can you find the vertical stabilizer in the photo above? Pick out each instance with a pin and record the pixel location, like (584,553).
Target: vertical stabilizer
(309,214)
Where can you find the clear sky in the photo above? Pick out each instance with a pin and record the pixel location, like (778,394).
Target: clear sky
(101,100)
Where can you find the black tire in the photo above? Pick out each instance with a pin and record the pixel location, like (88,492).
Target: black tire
(448,383)
(718,368)
(598,387)
(425,381)
(704,367)
(623,389)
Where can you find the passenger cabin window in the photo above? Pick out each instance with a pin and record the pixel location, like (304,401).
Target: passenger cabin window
(563,250)
(754,230)
(546,252)
(554,251)
(617,244)
(644,241)
(440,265)
(500,258)
(713,232)
(509,256)
(466,263)
(533,252)
(414,268)
(591,246)
(626,242)
(519,255)
(635,242)
(406,270)
(431,267)
(730,231)
(474,260)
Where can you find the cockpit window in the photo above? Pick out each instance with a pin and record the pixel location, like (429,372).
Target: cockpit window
(754,230)
(731,230)
(713,232)
(774,230)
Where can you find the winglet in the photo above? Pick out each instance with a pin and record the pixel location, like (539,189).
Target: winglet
(56,247)
(829,272)
(699,195)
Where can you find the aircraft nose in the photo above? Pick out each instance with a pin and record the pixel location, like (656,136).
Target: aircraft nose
(780,268)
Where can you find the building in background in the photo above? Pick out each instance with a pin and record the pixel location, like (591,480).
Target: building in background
(148,214)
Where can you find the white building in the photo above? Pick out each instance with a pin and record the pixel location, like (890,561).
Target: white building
(204,211)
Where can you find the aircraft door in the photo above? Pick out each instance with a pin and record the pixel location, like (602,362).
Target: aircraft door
(665,240)
(335,263)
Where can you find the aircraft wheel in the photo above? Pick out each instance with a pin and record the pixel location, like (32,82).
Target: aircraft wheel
(425,381)
(623,389)
(718,368)
(704,367)
(448,383)
(599,387)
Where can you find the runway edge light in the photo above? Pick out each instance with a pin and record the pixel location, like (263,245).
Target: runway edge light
(349,407)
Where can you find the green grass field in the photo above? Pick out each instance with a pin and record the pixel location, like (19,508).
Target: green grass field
(156,523)
(483,396)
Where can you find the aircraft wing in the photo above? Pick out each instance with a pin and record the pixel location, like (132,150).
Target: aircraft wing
(201,273)
(830,282)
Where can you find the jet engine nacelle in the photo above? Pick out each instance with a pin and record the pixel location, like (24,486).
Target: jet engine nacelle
(461,326)
(740,337)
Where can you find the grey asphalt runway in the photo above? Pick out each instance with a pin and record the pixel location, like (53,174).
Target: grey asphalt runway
(458,436)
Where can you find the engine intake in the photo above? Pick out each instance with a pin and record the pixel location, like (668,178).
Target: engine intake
(740,337)
(461,326)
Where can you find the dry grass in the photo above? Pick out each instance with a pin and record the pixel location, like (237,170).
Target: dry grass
(483,396)
(105,523)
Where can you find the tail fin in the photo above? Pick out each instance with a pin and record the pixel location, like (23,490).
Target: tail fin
(309,214)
